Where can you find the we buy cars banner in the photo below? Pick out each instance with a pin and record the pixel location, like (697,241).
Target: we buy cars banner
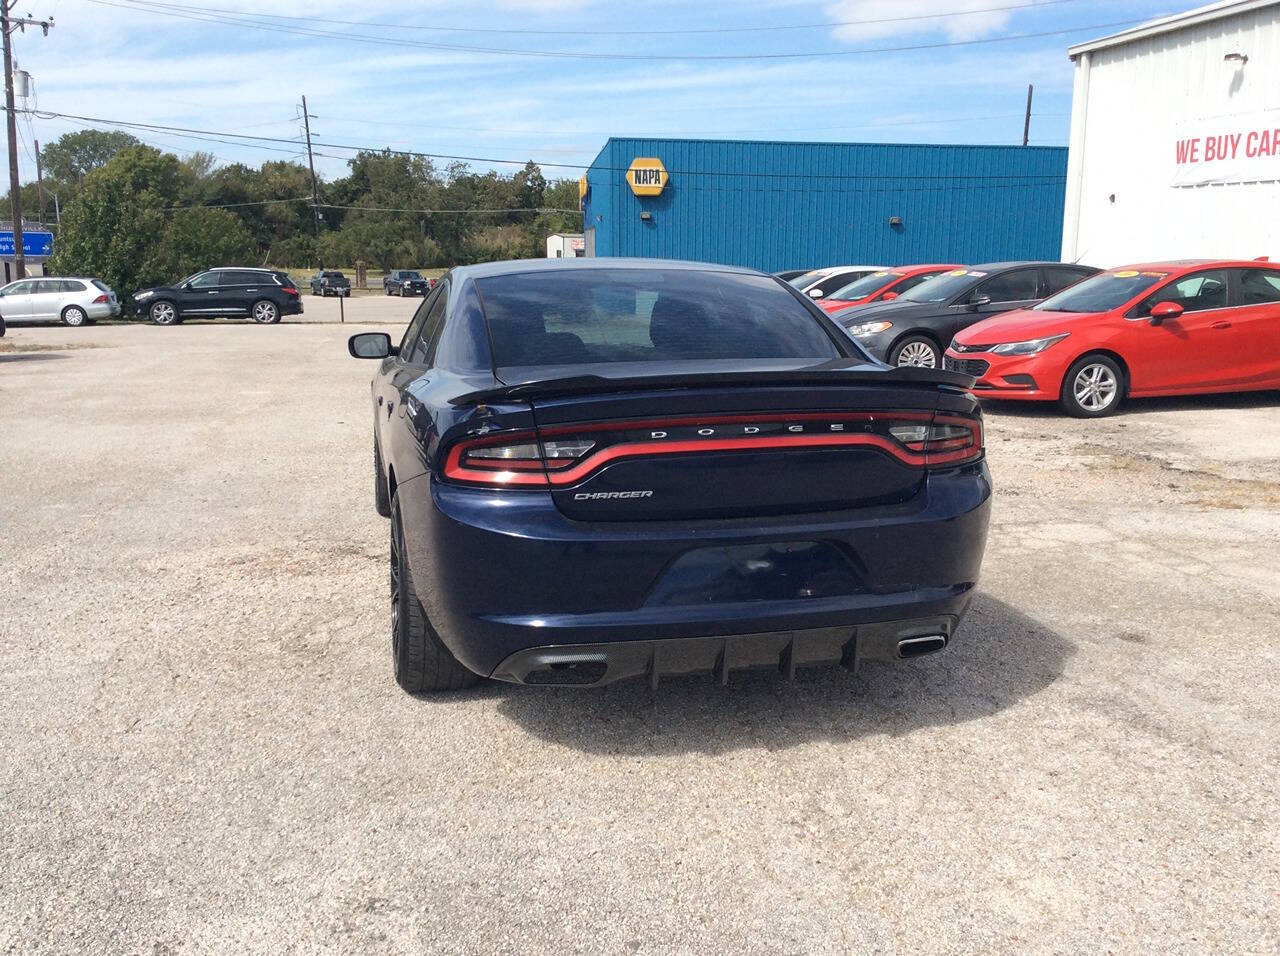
(1227,149)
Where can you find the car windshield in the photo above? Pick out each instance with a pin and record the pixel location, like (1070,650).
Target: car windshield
(943,287)
(410,275)
(807,278)
(646,315)
(1102,292)
(861,288)
(331,275)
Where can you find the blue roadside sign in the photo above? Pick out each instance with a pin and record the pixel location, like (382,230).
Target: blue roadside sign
(33,243)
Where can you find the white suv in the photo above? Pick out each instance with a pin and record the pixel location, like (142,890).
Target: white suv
(73,301)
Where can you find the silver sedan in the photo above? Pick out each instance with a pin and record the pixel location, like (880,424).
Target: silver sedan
(71,300)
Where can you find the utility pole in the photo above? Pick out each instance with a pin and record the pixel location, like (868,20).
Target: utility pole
(39,183)
(7,25)
(315,190)
(1026,124)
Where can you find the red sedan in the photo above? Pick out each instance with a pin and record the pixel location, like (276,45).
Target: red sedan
(1172,328)
(881,286)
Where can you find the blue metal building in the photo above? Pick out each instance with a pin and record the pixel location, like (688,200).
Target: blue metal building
(774,205)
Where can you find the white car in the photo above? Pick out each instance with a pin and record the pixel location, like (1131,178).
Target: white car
(819,283)
(73,301)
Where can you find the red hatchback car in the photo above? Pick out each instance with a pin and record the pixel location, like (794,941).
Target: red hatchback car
(1172,328)
(881,286)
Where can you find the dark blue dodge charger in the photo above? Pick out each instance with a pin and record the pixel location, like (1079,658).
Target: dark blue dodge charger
(606,468)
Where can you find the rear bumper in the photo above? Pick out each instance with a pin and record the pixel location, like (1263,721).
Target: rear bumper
(512,586)
(103,310)
(598,664)
(291,307)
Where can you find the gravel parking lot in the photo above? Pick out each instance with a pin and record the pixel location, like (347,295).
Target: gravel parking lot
(202,748)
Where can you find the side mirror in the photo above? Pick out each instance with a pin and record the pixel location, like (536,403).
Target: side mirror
(1164,310)
(370,345)
(815,293)
(888,297)
(978,302)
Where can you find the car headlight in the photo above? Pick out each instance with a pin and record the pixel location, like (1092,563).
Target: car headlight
(869,328)
(1029,347)
(144,294)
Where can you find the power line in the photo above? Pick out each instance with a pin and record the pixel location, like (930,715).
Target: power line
(50,114)
(522,31)
(170,10)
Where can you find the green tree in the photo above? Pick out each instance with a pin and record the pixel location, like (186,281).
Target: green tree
(72,156)
(196,239)
(109,229)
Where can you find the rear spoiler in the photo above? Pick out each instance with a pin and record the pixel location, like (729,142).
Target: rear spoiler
(589,384)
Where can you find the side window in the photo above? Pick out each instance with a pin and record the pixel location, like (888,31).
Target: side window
(1259,286)
(25,287)
(1055,280)
(1197,292)
(913,281)
(416,323)
(46,286)
(71,285)
(205,280)
(242,278)
(1012,286)
(424,348)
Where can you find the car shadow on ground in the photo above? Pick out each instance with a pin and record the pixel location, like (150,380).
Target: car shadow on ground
(1135,406)
(999,657)
(29,356)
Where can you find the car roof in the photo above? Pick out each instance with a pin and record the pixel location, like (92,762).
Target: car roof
(487,270)
(1177,265)
(997,266)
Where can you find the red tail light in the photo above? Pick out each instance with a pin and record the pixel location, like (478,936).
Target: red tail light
(564,456)
(101,300)
(290,290)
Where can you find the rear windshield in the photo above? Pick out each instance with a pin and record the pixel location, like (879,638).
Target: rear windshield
(1102,292)
(646,315)
(943,287)
(409,275)
(863,287)
(101,285)
(332,275)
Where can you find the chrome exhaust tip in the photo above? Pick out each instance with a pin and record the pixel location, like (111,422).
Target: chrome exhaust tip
(919,646)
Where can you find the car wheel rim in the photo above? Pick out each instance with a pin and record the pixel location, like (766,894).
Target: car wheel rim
(1095,387)
(395,589)
(74,317)
(918,354)
(163,314)
(264,312)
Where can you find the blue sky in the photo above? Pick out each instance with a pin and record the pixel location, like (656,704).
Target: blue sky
(135,63)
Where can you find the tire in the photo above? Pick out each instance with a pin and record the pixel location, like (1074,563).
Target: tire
(1093,387)
(163,312)
(346,293)
(3,327)
(916,350)
(74,316)
(265,312)
(381,496)
(422,662)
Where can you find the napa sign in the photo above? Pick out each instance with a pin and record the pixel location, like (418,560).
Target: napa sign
(647,176)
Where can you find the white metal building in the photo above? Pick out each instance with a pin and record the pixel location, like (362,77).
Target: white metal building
(1175,139)
(565,245)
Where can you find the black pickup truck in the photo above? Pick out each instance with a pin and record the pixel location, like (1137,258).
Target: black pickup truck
(405,282)
(327,282)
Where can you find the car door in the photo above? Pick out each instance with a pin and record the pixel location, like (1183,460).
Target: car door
(201,295)
(46,299)
(240,289)
(15,306)
(1255,318)
(1002,292)
(403,369)
(1192,350)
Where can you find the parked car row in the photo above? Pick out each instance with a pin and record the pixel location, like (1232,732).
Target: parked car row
(1052,331)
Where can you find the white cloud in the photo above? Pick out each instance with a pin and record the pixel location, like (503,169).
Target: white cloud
(967,26)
